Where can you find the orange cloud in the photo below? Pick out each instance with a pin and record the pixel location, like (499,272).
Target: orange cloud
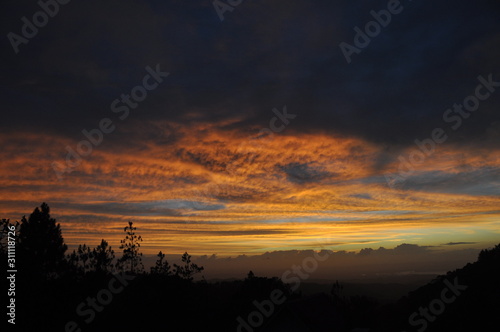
(208,187)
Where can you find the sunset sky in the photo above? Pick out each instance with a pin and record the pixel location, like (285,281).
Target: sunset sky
(262,137)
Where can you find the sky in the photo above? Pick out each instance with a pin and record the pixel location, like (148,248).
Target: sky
(304,125)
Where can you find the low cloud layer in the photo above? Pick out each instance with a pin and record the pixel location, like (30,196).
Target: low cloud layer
(366,265)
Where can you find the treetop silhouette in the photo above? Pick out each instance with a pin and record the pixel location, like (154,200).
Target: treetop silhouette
(41,245)
(132,258)
(189,269)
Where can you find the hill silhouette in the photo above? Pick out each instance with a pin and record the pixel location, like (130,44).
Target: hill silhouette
(473,293)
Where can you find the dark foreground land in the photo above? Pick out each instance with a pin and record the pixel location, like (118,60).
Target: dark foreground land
(463,300)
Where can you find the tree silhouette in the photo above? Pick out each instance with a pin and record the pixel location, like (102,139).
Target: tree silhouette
(131,259)
(161,267)
(491,254)
(102,258)
(189,269)
(80,259)
(41,245)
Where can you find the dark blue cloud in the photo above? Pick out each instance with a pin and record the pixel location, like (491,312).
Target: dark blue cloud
(304,173)
(262,55)
(481,181)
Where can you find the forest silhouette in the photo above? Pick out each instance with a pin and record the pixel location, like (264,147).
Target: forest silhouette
(92,289)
